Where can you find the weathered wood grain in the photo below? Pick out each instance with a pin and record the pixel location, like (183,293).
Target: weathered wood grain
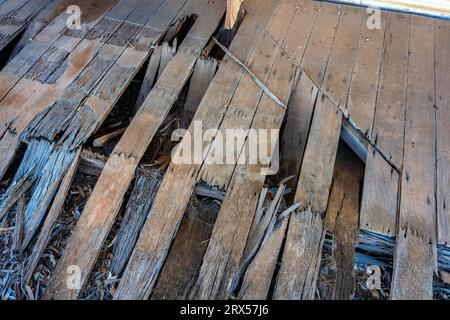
(379,203)
(219,164)
(301,257)
(342,219)
(366,74)
(341,61)
(415,249)
(107,196)
(138,206)
(442,129)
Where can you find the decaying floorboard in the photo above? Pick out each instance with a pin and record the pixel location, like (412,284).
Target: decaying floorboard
(300,106)
(150,76)
(379,203)
(18,114)
(217,278)
(138,206)
(263,246)
(306,233)
(176,189)
(23,62)
(443,129)
(15,16)
(317,53)
(415,248)
(106,199)
(340,64)
(342,219)
(203,74)
(185,256)
(258,276)
(300,261)
(219,166)
(366,74)
(67,71)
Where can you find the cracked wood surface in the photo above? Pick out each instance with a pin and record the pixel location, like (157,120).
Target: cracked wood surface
(108,194)
(167,211)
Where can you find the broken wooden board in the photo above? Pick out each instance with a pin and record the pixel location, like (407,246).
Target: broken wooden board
(259,274)
(62,70)
(218,276)
(75,125)
(166,214)
(379,203)
(301,257)
(107,196)
(15,16)
(219,165)
(415,248)
(203,74)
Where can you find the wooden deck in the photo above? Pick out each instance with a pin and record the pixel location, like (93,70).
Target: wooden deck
(384,91)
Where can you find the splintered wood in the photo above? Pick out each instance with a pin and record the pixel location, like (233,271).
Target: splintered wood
(309,76)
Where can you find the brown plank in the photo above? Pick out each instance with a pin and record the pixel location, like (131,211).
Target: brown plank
(106,199)
(340,64)
(302,252)
(221,263)
(379,203)
(166,214)
(442,129)
(240,113)
(317,53)
(366,74)
(415,248)
(342,219)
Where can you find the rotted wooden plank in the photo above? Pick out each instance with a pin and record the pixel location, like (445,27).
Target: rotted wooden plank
(442,129)
(83,64)
(17,20)
(106,199)
(259,274)
(168,209)
(340,64)
(301,258)
(22,62)
(301,104)
(302,252)
(415,257)
(380,192)
(366,74)
(317,53)
(53,161)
